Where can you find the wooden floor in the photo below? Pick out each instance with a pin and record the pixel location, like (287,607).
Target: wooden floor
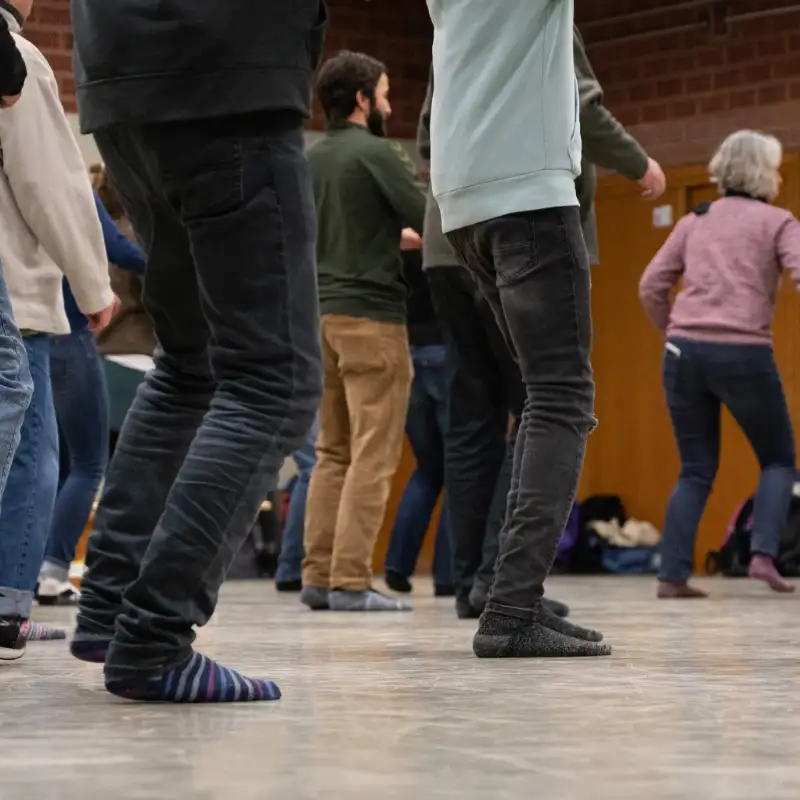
(701,700)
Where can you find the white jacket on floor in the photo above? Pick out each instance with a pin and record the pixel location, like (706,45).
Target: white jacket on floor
(48,220)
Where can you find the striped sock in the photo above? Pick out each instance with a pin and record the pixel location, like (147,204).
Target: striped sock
(36,632)
(198,680)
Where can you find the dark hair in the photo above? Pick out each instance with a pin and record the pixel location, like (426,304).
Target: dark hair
(342,77)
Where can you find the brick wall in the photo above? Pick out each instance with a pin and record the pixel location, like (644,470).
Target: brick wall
(678,91)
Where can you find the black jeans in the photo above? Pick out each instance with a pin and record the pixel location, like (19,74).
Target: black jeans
(225,211)
(533,269)
(484,386)
(700,378)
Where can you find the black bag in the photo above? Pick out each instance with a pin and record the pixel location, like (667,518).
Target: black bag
(586,557)
(733,558)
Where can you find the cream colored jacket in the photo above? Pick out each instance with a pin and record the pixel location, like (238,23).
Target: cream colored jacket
(48,220)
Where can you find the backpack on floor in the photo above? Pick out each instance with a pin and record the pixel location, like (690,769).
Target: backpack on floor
(733,558)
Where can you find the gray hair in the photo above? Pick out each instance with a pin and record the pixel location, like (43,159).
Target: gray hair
(748,161)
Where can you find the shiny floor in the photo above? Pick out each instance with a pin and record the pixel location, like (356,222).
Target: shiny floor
(701,700)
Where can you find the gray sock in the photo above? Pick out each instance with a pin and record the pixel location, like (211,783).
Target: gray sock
(500,636)
(54,571)
(560,625)
(315,598)
(369,600)
(556,607)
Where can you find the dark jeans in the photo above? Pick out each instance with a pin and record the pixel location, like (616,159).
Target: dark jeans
(80,396)
(484,387)
(31,489)
(290,560)
(699,378)
(426,425)
(225,211)
(534,270)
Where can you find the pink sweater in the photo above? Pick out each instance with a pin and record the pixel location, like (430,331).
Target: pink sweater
(730,260)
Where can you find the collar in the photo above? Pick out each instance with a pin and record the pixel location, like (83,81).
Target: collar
(334,126)
(731,192)
(12,16)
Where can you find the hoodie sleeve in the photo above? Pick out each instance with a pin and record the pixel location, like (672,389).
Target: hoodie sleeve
(48,178)
(606,143)
(663,273)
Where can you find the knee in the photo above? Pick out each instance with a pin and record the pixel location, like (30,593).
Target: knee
(699,476)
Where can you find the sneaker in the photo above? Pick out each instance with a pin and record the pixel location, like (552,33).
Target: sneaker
(53,592)
(12,642)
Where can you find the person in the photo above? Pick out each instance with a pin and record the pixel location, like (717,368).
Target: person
(504,158)
(289,575)
(486,385)
(201,132)
(366,195)
(729,255)
(48,229)
(426,427)
(80,396)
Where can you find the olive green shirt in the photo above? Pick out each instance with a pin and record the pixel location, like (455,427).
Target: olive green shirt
(365,193)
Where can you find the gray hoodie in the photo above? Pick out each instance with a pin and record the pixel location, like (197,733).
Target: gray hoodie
(505,129)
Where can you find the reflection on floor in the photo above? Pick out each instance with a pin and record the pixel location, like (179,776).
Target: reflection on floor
(700,701)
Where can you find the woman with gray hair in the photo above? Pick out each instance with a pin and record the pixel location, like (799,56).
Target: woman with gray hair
(729,255)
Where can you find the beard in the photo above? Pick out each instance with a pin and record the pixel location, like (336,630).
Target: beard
(376,123)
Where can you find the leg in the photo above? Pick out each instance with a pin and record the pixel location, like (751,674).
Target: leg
(242,191)
(81,402)
(534,270)
(695,413)
(376,369)
(477,419)
(753,391)
(16,385)
(424,487)
(169,405)
(30,492)
(327,480)
(290,561)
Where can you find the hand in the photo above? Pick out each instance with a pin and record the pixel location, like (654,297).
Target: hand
(101,319)
(410,240)
(654,181)
(8,100)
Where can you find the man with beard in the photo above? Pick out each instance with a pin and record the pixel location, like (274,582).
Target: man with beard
(366,195)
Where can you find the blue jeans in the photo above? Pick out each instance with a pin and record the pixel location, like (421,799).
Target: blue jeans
(81,401)
(16,388)
(426,425)
(699,378)
(30,491)
(290,561)
(225,210)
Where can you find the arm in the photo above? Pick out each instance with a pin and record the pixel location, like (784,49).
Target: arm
(12,66)
(663,272)
(48,178)
(394,173)
(119,249)
(424,124)
(787,245)
(606,143)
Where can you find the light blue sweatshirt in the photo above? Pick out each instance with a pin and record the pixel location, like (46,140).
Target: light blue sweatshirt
(505,130)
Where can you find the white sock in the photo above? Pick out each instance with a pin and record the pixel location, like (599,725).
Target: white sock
(54,572)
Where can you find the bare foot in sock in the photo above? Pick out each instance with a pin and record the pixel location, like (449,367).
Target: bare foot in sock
(315,598)
(500,636)
(762,568)
(556,607)
(370,600)
(674,591)
(560,625)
